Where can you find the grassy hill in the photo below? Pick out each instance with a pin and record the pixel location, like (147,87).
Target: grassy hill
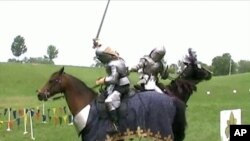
(22,80)
(204,110)
(18,83)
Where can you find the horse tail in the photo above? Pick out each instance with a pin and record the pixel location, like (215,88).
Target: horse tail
(179,124)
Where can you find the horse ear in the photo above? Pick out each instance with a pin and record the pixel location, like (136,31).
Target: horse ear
(61,70)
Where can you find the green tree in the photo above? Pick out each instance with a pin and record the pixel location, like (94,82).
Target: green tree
(223,65)
(52,52)
(18,46)
(243,66)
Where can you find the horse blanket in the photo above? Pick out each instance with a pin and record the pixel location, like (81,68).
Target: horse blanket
(147,114)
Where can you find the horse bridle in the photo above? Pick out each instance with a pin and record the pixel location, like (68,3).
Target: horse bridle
(54,81)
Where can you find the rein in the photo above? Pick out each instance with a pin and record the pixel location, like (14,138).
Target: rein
(58,97)
(95,86)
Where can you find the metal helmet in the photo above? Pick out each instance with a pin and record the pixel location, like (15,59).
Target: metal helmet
(157,53)
(105,55)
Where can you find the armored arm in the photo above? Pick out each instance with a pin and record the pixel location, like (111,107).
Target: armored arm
(164,73)
(113,77)
(138,66)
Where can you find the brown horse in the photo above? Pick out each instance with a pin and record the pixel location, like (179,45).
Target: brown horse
(185,84)
(140,114)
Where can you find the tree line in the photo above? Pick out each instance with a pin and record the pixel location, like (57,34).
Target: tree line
(225,65)
(221,65)
(18,47)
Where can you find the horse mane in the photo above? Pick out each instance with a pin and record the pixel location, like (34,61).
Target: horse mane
(80,82)
(180,88)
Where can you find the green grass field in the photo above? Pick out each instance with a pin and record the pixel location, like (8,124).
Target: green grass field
(18,83)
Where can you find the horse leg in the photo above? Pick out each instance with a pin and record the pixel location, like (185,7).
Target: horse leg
(179,124)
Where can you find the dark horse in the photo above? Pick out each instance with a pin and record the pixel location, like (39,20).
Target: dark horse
(142,115)
(185,84)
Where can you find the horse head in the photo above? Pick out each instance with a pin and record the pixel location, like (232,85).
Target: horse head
(193,70)
(185,84)
(53,86)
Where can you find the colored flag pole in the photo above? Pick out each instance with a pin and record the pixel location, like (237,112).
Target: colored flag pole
(43,108)
(8,129)
(44,116)
(31,127)
(25,121)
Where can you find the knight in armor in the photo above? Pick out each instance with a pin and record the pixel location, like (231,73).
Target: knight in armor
(149,68)
(116,81)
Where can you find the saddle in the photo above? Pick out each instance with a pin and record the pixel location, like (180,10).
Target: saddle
(122,110)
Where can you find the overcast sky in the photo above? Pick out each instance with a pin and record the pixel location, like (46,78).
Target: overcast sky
(133,28)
